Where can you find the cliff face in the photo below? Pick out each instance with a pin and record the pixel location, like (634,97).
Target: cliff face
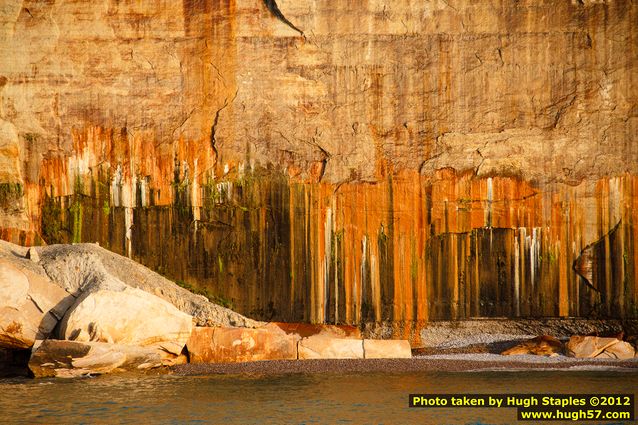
(334,160)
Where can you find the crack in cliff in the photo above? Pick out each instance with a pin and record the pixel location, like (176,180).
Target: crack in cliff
(500,55)
(450,6)
(324,161)
(213,128)
(478,167)
(274,9)
(570,98)
(220,77)
(325,155)
(186,118)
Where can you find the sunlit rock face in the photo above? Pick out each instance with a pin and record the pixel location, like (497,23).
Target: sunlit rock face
(399,162)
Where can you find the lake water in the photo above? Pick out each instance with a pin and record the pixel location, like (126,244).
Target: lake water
(373,398)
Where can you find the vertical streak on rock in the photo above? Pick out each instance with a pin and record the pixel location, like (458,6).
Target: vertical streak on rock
(488,210)
(293,204)
(533,259)
(620,258)
(318,258)
(522,235)
(374,283)
(421,257)
(388,285)
(350,257)
(477,277)
(632,244)
(360,294)
(313,220)
(326,263)
(397,204)
(517,279)
(615,277)
(608,295)
(454,278)
(562,256)
(336,249)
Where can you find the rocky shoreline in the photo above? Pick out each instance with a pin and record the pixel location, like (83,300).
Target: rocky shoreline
(78,310)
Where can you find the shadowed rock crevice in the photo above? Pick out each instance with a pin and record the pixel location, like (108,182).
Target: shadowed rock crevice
(213,128)
(274,9)
(585,264)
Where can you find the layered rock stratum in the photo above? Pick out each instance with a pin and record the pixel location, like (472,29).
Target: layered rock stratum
(335,161)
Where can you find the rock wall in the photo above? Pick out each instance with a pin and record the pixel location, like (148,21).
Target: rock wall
(335,161)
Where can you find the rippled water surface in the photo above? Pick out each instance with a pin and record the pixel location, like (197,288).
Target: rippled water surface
(374,398)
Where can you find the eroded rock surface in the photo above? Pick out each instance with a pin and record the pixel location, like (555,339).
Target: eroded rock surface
(386,349)
(67,359)
(544,345)
(232,345)
(597,347)
(327,347)
(30,305)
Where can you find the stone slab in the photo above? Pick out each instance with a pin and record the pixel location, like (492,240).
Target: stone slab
(230,345)
(326,347)
(386,349)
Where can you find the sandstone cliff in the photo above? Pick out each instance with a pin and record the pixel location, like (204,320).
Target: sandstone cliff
(335,161)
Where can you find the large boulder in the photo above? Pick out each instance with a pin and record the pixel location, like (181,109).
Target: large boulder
(230,345)
(386,349)
(30,305)
(55,358)
(74,267)
(113,312)
(327,347)
(77,268)
(544,345)
(596,347)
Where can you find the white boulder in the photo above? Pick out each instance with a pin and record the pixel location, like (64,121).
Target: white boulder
(113,312)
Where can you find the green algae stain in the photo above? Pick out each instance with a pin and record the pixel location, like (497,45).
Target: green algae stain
(414,264)
(219,300)
(10,194)
(50,220)
(76,211)
(31,137)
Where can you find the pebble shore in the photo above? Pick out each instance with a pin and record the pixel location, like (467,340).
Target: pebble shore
(436,363)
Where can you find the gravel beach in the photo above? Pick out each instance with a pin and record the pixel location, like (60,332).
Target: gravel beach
(442,363)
